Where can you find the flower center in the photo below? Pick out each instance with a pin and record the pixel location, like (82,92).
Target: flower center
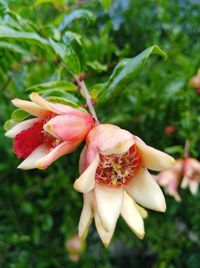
(118,169)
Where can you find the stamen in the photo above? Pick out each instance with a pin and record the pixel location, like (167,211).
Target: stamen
(118,169)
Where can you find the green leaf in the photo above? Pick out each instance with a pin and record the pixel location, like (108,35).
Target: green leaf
(58,3)
(7,32)
(56,85)
(68,55)
(126,71)
(9,124)
(106,4)
(59,93)
(13,48)
(77,14)
(65,102)
(19,115)
(97,66)
(176,149)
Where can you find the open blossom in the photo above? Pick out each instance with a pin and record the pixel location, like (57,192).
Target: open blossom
(56,130)
(115,180)
(185,173)
(191,174)
(171,178)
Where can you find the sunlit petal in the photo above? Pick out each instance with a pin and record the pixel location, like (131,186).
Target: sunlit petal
(145,191)
(86,182)
(109,203)
(132,216)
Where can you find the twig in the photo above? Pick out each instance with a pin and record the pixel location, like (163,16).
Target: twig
(186,148)
(83,87)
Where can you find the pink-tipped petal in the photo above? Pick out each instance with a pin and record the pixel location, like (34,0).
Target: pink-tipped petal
(31,108)
(86,215)
(106,136)
(154,159)
(145,191)
(86,182)
(132,216)
(31,160)
(109,203)
(11,133)
(60,150)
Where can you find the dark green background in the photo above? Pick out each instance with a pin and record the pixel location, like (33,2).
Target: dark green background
(39,210)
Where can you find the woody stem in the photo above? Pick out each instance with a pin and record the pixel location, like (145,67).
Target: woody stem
(186,148)
(87,96)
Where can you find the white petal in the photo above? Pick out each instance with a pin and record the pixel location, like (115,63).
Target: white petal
(109,202)
(30,161)
(142,211)
(86,215)
(145,191)
(185,182)
(86,182)
(120,148)
(30,107)
(11,133)
(105,236)
(194,186)
(153,158)
(132,216)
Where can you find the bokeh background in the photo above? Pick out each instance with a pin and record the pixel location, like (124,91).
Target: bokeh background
(39,210)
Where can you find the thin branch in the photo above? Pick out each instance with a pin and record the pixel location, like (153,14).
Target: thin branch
(186,148)
(83,87)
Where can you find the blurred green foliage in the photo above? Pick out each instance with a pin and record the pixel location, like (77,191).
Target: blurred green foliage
(39,210)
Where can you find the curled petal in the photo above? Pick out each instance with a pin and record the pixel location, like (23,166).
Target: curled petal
(31,108)
(132,216)
(50,106)
(145,191)
(86,215)
(31,160)
(109,203)
(11,133)
(55,153)
(104,235)
(154,159)
(86,182)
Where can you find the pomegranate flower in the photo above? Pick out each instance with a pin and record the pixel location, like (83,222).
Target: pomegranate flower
(170,179)
(57,130)
(114,179)
(191,177)
(187,170)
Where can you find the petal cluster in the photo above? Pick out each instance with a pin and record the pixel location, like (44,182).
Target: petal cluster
(108,199)
(56,130)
